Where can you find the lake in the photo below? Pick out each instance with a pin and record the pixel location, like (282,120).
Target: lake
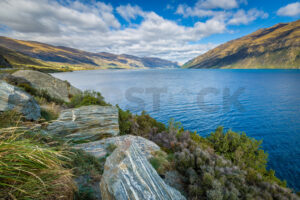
(263,103)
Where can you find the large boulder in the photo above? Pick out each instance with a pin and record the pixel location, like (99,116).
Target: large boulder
(129,175)
(101,148)
(13,98)
(56,88)
(86,123)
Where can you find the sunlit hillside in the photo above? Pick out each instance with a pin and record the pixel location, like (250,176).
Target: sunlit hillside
(37,55)
(275,47)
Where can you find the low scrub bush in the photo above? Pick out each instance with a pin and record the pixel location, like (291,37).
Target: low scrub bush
(220,166)
(139,125)
(87,98)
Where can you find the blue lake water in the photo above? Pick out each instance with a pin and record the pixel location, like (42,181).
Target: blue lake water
(263,103)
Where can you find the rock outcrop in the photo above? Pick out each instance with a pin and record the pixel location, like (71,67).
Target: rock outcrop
(129,175)
(86,123)
(13,98)
(100,148)
(56,88)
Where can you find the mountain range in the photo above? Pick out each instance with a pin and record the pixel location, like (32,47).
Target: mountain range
(275,47)
(29,54)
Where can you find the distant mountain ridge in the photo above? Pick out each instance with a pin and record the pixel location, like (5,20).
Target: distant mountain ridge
(275,47)
(38,55)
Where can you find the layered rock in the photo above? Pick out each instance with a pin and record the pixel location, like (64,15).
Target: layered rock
(129,175)
(12,98)
(86,123)
(56,88)
(100,148)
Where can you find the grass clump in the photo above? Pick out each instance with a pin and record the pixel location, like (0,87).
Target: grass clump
(30,170)
(87,98)
(10,118)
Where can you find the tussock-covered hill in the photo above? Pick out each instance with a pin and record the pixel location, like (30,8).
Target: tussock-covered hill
(39,55)
(275,47)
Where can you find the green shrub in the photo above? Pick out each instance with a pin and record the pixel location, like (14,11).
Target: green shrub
(87,98)
(124,121)
(161,162)
(84,193)
(48,115)
(239,148)
(29,170)
(139,125)
(83,163)
(243,151)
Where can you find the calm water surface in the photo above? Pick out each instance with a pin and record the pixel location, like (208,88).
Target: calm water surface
(263,103)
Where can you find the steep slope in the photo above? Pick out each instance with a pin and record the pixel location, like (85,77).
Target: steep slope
(275,47)
(39,55)
(4,63)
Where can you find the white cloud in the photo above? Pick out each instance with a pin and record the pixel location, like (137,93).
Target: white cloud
(93,27)
(213,4)
(187,11)
(129,12)
(245,17)
(42,16)
(206,8)
(291,10)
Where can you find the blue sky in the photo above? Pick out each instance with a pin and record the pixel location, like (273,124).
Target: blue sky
(171,29)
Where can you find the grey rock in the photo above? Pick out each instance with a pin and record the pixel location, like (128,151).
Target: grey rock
(13,98)
(86,123)
(56,88)
(129,175)
(100,148)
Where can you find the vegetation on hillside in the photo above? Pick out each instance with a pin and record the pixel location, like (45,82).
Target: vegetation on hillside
(49,58)
(221,166)
(275,47)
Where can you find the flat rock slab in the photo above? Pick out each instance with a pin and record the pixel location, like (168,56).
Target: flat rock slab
(100,148)
(56,88)
(13,98)
(129,175)
(86,123)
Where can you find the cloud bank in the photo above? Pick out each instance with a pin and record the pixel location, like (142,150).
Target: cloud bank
(290,10)
(96,26)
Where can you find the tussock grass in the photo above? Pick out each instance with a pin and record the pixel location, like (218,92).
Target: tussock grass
(30,170)
(10,118)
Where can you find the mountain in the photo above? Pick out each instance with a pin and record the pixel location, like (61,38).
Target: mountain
(275,47)
(36,55)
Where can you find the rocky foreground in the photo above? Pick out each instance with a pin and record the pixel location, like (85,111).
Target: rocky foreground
(129,171)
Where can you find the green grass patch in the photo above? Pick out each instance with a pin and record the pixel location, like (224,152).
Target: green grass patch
(87,98)
(31,170)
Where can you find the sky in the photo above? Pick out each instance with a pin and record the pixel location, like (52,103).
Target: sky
(176,30)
